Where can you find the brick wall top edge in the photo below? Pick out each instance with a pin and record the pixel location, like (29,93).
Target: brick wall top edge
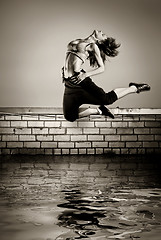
(58,110)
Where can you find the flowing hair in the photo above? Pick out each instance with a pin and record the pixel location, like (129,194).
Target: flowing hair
(108,48)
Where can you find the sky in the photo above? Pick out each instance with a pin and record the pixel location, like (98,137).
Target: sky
(35,33)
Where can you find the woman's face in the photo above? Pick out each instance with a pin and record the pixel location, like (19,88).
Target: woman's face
(100,35)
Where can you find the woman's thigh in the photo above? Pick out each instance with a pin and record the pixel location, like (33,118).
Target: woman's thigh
(71,107)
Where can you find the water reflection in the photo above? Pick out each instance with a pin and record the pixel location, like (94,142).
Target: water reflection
(113,214)
(93,198)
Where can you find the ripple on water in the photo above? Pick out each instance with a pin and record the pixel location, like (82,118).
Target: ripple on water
(113,214)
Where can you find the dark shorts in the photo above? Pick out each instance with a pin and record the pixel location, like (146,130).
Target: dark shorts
(86,93)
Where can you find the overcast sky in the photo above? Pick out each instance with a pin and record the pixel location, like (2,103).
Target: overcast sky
(34,35)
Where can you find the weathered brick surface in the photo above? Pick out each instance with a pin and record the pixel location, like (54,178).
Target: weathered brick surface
(53,135)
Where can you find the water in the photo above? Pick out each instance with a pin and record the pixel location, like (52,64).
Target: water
(66,198)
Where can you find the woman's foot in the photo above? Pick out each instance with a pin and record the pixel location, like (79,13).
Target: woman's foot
(140,87)
(105,111)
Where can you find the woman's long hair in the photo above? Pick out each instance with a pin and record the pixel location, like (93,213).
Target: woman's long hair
(108,48)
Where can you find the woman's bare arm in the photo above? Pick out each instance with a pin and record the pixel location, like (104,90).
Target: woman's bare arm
(94,48)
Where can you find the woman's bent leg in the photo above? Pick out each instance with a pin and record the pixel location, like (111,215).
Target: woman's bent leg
(87,112)
(98,93)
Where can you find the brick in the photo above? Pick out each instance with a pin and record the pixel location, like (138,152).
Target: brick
(22,131)
(4,123)
(116,150)
(6,130)
(65,145)
(141,130)
(35,124)
(99,144)
(12,117)
(107,130)
(57,151)
(65,151)
(62,138)
(158,137)
(147,117)
(103,124)
(112,138)
(99,150)
(27,138)
(116,144)
(52,124)
(145,137)
(47,118)
(48,144)
(85,124)
(5,151)
(44,138)
(40,131)
(73,151)
(152,124)
(124,150)
(14,144)
(150,150)
(133,151)
(69,124)
(56,130)
(130,118)
(141,151)
(18,123)
(83,144)
(158,117)
(91,130)
(74,131)
(129,138)
(95,138)
(82,151)
(78,138)
(150,144)
(48,152)
(2,144)
(32,144)
(90,151)
(125,131)
(119,124)
(15,151)
(9,138)
(30,118)
(155,130)
(136,124)
(134,144)
(1,117)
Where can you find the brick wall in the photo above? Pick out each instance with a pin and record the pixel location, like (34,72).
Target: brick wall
(45,131)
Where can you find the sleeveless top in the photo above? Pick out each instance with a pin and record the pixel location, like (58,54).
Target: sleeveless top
(81,53)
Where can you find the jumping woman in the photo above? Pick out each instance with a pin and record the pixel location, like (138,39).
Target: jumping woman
(79,87)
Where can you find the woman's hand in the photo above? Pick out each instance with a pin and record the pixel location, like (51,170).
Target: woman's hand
(82,76)
(79,78)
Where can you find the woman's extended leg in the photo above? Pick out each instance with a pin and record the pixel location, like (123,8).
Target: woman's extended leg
(121,92)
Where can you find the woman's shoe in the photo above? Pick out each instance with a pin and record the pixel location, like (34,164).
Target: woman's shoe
(105,111)
(140,87)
